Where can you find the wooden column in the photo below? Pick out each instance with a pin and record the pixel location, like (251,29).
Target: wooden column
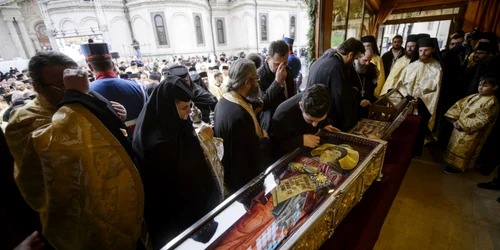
(323,26)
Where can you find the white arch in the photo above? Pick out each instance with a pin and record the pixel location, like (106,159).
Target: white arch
(31,25)
(88,20)
(118,18)
(180,23)
(180,14)
(66,22)
(279,27)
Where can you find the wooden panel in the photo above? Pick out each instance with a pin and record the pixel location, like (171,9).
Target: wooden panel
(470,15)
(405,4)
(323,26)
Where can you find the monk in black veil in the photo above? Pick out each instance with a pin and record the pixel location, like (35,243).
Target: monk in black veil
(178,183)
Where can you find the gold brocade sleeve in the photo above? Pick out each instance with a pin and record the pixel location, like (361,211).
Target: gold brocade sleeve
(94,194)
(28,169)
(381,74)
(397,74)
(454,112)
(482,112)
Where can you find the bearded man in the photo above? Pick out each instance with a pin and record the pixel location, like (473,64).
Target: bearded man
(236,123)
(395,52)
(371,42)
(364,79)
(398,71)
(422,83)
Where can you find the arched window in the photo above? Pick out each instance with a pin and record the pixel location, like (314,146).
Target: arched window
(161,32)
(263,28)
(292,27)
(199,31)
(221,38)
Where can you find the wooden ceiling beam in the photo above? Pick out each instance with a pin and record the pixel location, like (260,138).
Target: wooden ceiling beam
(404,4)
(374,4)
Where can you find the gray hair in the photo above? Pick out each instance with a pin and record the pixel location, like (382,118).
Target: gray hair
(369,50)
(239,72)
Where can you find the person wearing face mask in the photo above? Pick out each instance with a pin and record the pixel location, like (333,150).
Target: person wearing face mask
(398,71)
(74,162)
(332,70)
(176,166)
(298,119)
(202,98)
(236,123)
(364,79)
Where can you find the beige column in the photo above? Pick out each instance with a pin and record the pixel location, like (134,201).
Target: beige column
(27,40)
(15,38)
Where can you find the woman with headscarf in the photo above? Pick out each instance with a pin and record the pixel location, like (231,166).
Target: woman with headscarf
(180,184)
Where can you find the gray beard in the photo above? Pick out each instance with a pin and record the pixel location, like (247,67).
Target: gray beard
(360,69)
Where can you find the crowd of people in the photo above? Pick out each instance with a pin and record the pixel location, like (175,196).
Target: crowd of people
(113,156)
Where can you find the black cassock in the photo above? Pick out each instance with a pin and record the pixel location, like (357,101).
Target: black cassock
(204,100)
(288,127)
(365,84)
(331,71)
(178,183)
(272,94)
(243,159)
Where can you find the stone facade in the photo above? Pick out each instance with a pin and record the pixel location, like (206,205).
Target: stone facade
(162,28)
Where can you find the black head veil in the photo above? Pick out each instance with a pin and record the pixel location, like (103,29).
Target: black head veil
(175,168)
(159,118)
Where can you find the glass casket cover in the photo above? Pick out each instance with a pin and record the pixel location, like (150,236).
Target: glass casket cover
(388,106)
(288,203)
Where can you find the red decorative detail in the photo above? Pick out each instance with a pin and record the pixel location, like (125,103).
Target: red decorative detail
(101,75)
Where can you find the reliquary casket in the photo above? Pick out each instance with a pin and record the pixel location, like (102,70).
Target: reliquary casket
(296,203)
(384,116)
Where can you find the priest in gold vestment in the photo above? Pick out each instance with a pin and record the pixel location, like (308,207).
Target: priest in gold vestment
(473,117)
(398,71)
(72,161)
(422,82)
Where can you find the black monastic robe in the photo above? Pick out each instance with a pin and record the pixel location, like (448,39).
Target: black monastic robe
(331,71)
(272,94)
(243,159)
(365,84)
(288,127)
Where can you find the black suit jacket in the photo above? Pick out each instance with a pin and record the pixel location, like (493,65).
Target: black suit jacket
(388,58)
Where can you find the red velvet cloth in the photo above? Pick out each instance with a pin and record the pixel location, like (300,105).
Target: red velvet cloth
(361,227)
